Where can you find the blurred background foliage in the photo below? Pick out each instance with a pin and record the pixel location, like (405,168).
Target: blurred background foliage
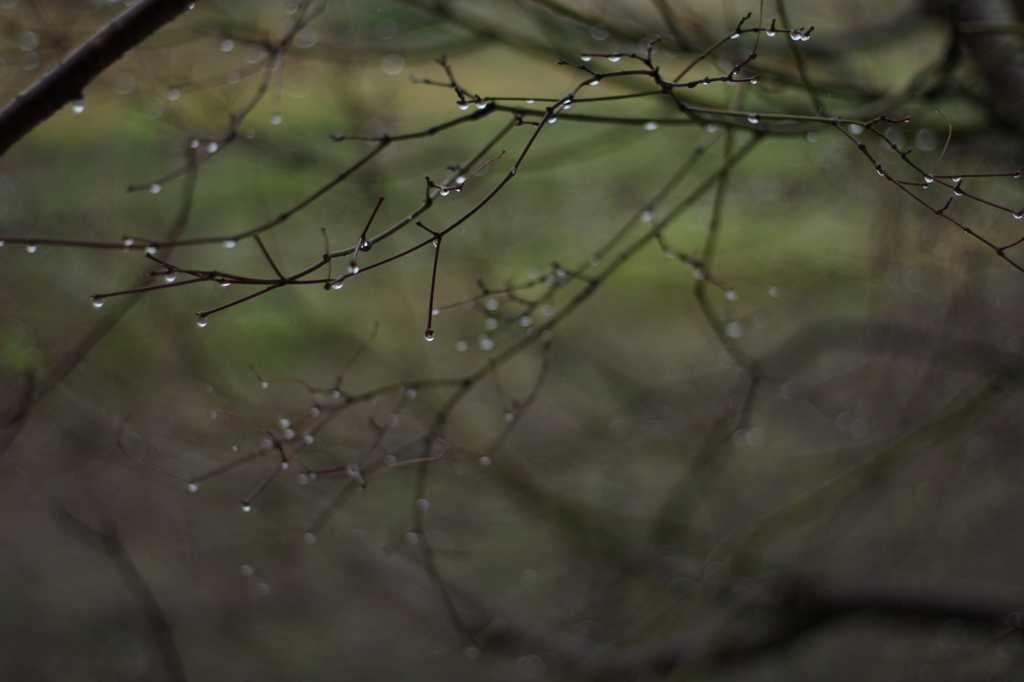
(804,464)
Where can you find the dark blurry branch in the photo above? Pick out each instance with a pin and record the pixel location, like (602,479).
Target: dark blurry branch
(70,359)
(776,616)
(972,402)
(108,541)
(65,83)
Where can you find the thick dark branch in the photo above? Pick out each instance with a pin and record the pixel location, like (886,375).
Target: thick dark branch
(68,79)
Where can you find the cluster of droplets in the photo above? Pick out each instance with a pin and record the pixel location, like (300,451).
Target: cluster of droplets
(799,35)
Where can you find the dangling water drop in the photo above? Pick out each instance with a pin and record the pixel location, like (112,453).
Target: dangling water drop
(212,147)
(78,106)
(98,301)
(202,320)
(650,125)
(275,119)
(754,80)
(481,105)
(337,284)
(731,295)
(956,180)
(734,36)
(586,58)
(753,118)
(443,191)
(31,248)
(353,268)
(229,243)
(309,538)
(770,32)
(461,346)
(1018,214)
(428,334)
(246,507)
(170,276)
(614,59)
(155,188)
(193,487)
(463,106)
(928,179)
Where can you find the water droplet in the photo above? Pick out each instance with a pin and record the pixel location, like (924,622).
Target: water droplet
(710,128)
(485,461)
(98,301)
(731,295)
(774,292)
(173,94)
(202,320)
(193,487)
(734,36)
(795,35)
(512,170)
(486,343)
(734,330)
(353,268)
(510,417)
(155,188)
(309,539)
(525,321)
(284,466)
(928,179)
(338,283)
(302,479)
(428,334)
(699,274)
(491,323)
(78,106)
(770,32)
(288,434)
(463,106)
(411,538)
(443,191)
(193,144)
(284,422)
(212,147)
(170,276)
(754,80)
(264,384)
(308,438)
(956,180)
(151,250)
(461,346)
(31,248)
(435,312)
(491,304)
(1016,175)
(650,125)
(879,169)
(614,59)
(422,505)
(247,571)
(754,118)
(481,105)
(594,82)
(411,394)
(530,101)
(553,119)
(227,45)
(1018,214)
(586,57)
(957,191)
(246,507)
(2,243)
(647,216)
(593,260)
(275,119)
(547,310)
(229,243)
